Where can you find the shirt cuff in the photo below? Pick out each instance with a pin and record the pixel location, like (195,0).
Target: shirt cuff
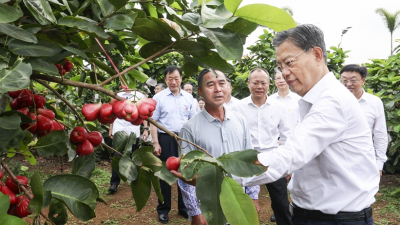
(263,158)
(379,164)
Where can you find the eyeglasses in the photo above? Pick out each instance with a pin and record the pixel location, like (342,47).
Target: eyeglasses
(352,81)
(288,64)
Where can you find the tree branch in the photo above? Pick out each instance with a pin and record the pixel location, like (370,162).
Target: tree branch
(105,145)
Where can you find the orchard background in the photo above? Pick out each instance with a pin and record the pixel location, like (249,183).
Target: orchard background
(114,43)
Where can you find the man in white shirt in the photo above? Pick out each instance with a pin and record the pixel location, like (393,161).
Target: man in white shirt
(123,125)
(159,87)
(353,77)
(230,100)
(330,153)
(265,117)
(189,89)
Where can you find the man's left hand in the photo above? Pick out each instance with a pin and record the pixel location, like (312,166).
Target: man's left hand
(179,175)
(145,135)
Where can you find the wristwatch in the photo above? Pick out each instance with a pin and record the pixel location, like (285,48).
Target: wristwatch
(147,128)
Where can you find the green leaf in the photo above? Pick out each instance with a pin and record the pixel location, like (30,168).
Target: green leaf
(120,21)
(166,28)
(141,189)
(57,212)
(193,48)
(272,17)
(144,157)
(106,7)
(67,5)
(208,189)
(17,33)
(17,78)
(42,8)
(152,10)
(76,51)
(11,134)
(228,45)
(151,34)
(241,26)
(150,49)
(140,76)
(212,19)
(29,156)
(9,14)
(54,143)
(128,169)
(156,186)
(4,203)
(240,163)
(84,25)
(8,219)
(24,118)
(36,203)
(131,141)
(96,49)
(115,167)
(83,6)
(189,68)
(165,175)
(238,207)
(78,193)
(118,3)
(190,21)
(42,48)
(119,140)
(43,66)
(214,61)
(232,5)
(84,165)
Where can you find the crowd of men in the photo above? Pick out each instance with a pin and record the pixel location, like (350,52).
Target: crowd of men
(327,137)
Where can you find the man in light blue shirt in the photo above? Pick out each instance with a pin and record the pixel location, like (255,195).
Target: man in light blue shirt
(174,108)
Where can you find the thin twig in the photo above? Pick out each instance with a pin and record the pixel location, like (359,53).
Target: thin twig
(95,73)
(111,148)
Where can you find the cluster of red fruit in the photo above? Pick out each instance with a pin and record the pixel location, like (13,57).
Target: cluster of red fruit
(65,68)
(44,122)
(18,205)
(106,113)
(85,142)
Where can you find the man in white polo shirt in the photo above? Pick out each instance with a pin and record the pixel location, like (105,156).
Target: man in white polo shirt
(230,100)
(189,89)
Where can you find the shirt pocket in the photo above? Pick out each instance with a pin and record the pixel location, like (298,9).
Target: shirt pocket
(185,110)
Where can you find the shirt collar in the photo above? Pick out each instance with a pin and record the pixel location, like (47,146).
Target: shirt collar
(364,96)
(249,100)
(314,93)
(211,118)
(169,92)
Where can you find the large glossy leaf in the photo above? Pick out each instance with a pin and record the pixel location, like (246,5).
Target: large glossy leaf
(84,165)
(42,48)
(140,76)
(131,141)
(9,14)
(120,20)
(232,5)
(96,49)
(152,10)
(208,189)
(144,157)
(118,3)
(106,7)
(11,134)
(57,212)
(78,193)
(228,45)
(166,28)
(128,169)
(17,33)
(8,219)
(212,19)
(115,167)
(4,203)
(76,51)
(156,186)
(266,15)
(43,66)
(214,61)
(189,68)
(84,25)
(241,26)
(194,27)
(150,49)
(41,7)
(82,7)
(238,207)
(16,78)
(54,143)
(240,163)
(193,48)
(141,189)
(165,175)
(152,34)
(36,203)
(119,140)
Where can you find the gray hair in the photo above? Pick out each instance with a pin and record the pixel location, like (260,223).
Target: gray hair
(257,70)
(161,85)
(305,36)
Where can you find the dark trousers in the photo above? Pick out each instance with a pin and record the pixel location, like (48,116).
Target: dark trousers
(115,180)
(280,201)
(169,147)
(301,221)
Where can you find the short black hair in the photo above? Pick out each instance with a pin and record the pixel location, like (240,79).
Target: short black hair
(171,69)
(205,71)
(362,70)
(201,99)
(258,69)
(161,85)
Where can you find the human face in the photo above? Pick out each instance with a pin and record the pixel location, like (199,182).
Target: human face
(258,84)
(354,82)
(214,90)
(157,89)
(280,82)
(201,104)
(300,73)
(173,81)
(188,88)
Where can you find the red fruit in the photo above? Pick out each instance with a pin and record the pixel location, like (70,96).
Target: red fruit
(68,66)
(118,107)
(14,94)
(91,111)
(95,138)
(24,110)
(62,126)
(43,123)
(33,117)
(7,191)
(25,99)
(11,210)
(130,112)
(124,87)
(2,184)
(39,101)
(1,173)
(63,72)
(14,104)
(47,113)
(66,60)
(137,122)
(85,148)
(78,135)
(173,163)
(146,106)
(56,125)
(113,101)
(106,121)
(14,186)
(21,209)
(106,113)
(58,66)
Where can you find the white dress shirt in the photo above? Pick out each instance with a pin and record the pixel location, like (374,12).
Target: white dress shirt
(330,153)
(196,105)
(375,113)
(231,102)
(291,104)
(123,125)
(266,123)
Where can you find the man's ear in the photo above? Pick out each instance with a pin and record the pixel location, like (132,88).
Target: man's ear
(199,91)
(319,56)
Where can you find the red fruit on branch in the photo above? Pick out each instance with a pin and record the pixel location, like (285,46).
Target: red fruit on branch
(21,209)
(130,112)
(1,173)
(106,114)
(33,117)
(118,107)
(146,107)
(39,101)
(137,122)
(14,104)
(46,112)
(173,163)
(7,191)
(113,101)
(58,66)
(24,111)
(95,138)
(85,148)
(11,210)
(14,94)
(63,72)
(25,99)
(56,125)
(68,66)
(78,135)
(14,186)
(43,123)
(91,111)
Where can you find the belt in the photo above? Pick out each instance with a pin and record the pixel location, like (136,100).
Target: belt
(362,215)
(168,134)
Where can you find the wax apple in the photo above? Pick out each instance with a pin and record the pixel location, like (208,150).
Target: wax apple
(78,135)
(84,148)
(146,106)
(91,111)
(173,163)
(95,138)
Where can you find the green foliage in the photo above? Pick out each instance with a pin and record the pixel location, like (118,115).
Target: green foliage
(36,203)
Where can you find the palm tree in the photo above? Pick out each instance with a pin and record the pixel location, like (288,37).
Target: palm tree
(392,22)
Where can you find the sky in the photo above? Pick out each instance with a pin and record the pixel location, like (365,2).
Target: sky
(368,38)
